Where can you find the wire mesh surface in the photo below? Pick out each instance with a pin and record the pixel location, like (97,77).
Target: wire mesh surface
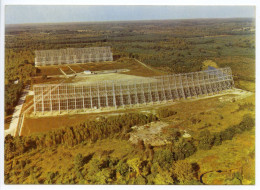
(72,56)
(118,93)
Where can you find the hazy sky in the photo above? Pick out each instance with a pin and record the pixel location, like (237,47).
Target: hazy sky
(46,14)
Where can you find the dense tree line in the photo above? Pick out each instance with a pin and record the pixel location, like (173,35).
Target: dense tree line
(19,65)
(138,171)
(91,130)
(207,140)
(12,94)
(148,164)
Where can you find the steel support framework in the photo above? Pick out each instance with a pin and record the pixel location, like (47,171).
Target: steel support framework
(120,93)
(72,56)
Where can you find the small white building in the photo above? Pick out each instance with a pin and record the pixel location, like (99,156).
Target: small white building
(87,72)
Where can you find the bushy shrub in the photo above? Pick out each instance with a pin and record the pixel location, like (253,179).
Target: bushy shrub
(163,178)
(217,139)
(183,171)
(50,177)
(150,178)
(102,177)
(228,133)
(206,140)
(122,168)
(163,157)
(135,165)
(94,166)
(183,150)
(78,161)
(247,123)
(140,180)
(163,113)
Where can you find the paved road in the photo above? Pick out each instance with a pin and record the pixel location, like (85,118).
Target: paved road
(17,111)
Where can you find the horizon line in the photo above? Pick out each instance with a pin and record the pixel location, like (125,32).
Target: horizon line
(99,21)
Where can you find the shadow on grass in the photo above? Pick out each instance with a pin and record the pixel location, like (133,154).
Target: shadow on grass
(87,158)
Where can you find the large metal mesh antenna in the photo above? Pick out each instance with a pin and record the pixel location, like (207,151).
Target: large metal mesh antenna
(72,56)
(119,93)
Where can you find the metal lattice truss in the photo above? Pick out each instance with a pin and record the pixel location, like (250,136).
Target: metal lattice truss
(73,96)
(72,56)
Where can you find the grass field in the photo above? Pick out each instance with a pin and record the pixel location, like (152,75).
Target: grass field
(134,67)
(44,124)
(103,77)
